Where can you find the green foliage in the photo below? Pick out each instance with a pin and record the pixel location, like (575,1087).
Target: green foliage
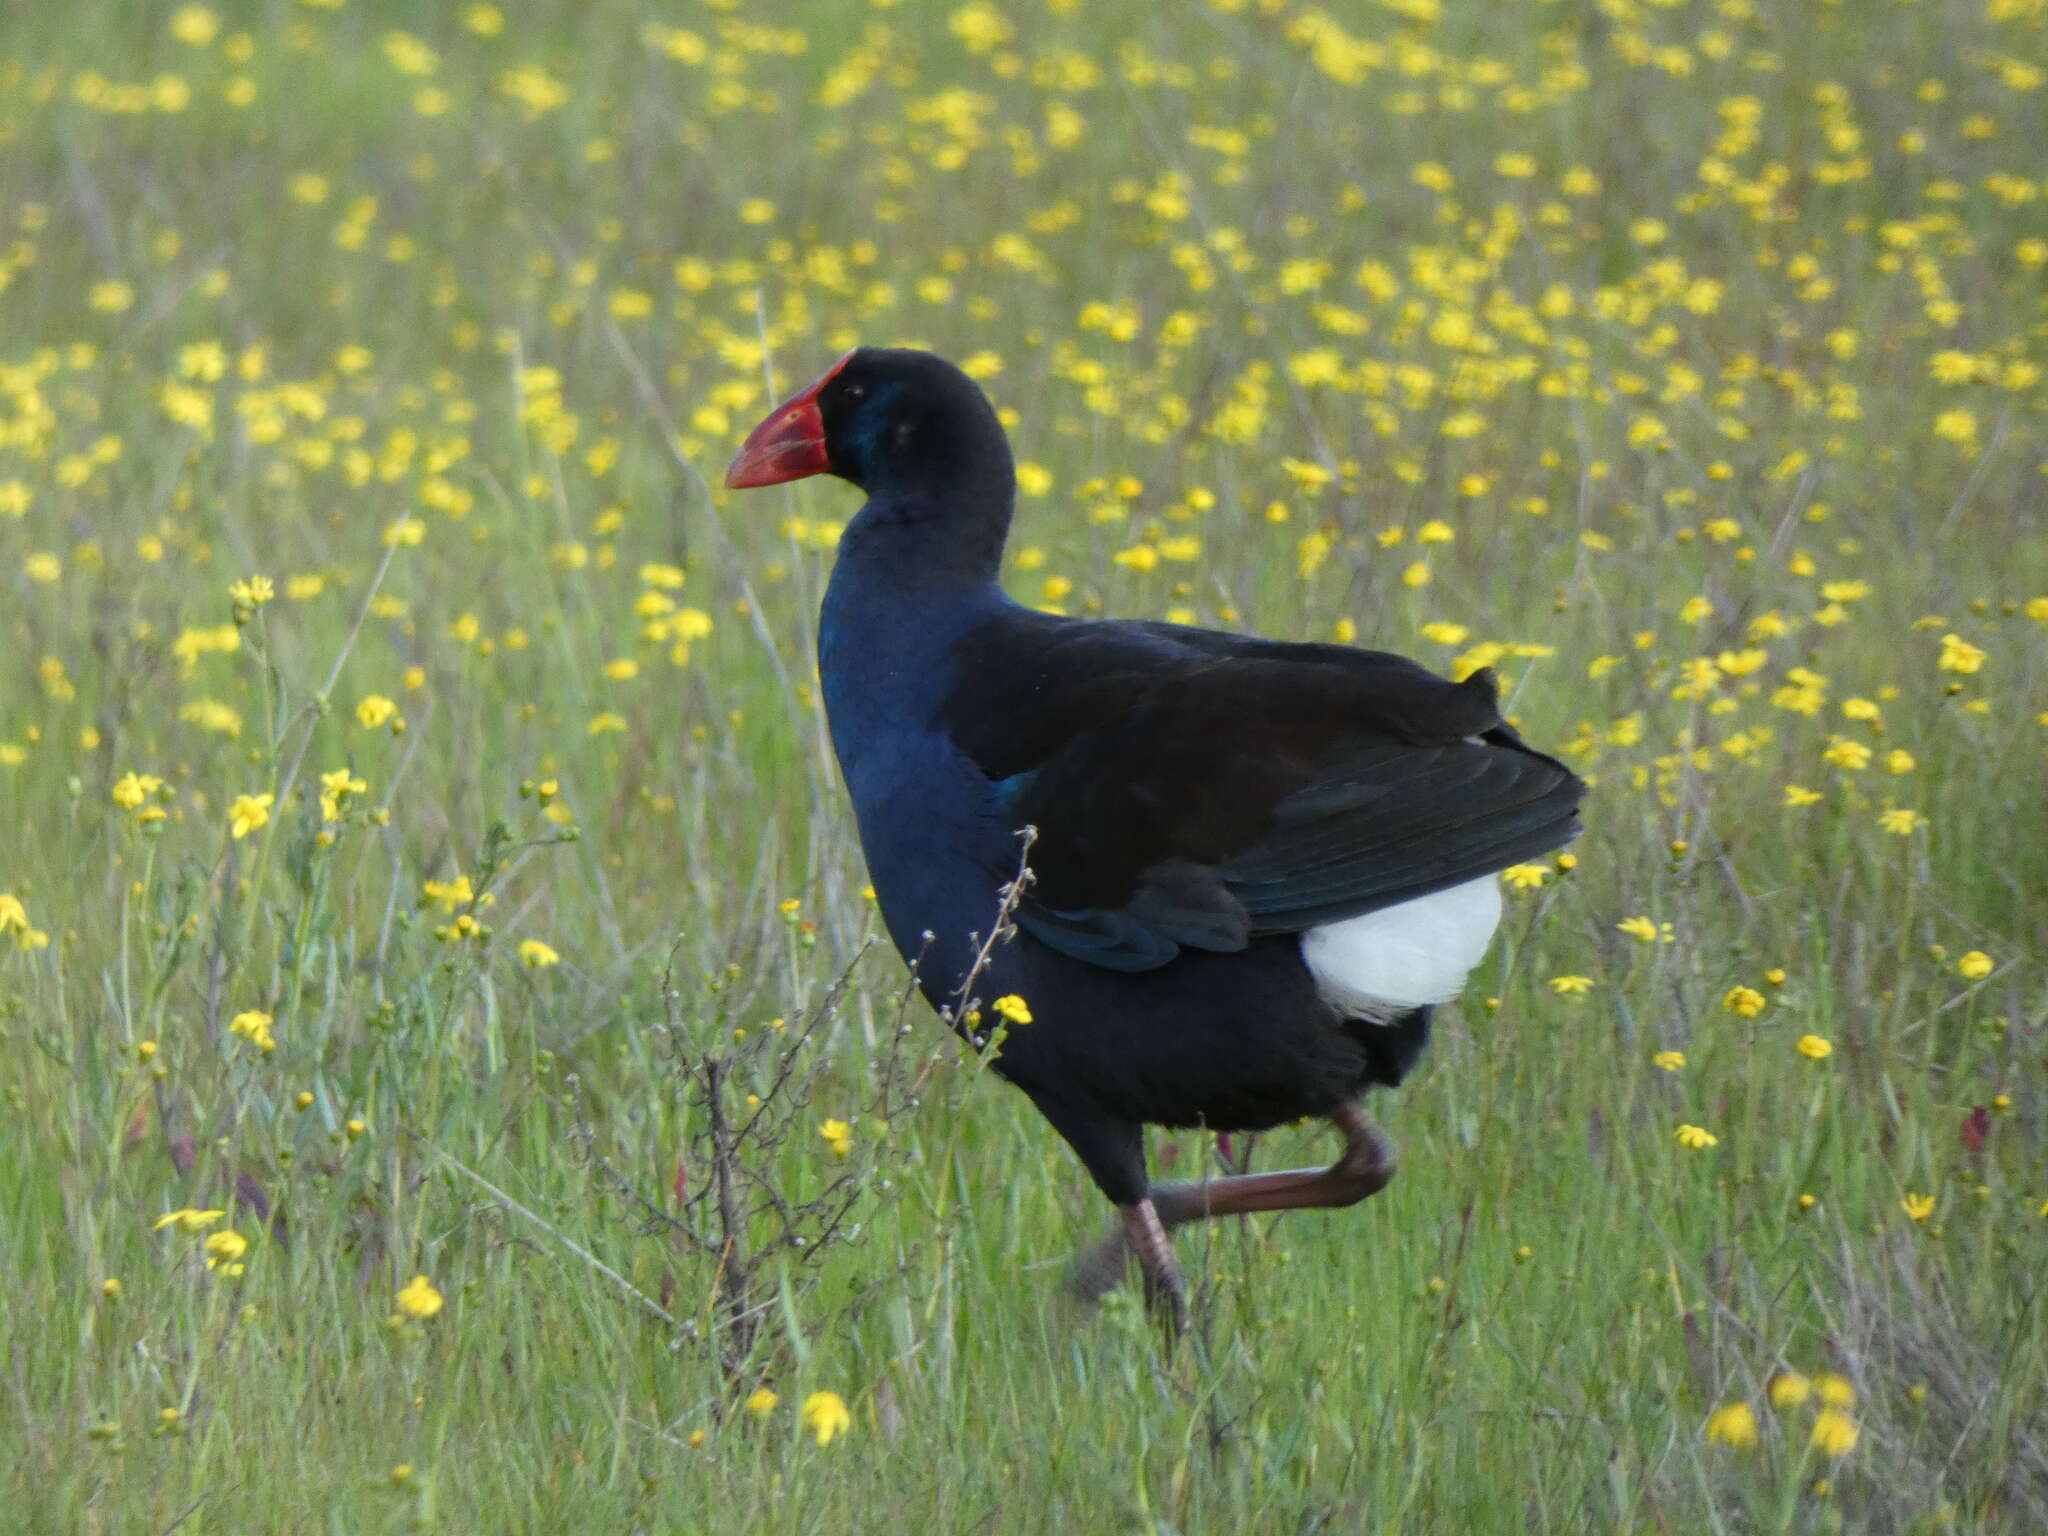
(1682,361)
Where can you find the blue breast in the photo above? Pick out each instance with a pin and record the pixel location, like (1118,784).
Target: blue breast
(938,848)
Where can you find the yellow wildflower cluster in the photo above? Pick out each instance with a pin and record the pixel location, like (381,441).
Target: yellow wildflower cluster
(1832,1431)
(360,511)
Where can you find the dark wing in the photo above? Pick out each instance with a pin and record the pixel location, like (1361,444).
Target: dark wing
(1197,788)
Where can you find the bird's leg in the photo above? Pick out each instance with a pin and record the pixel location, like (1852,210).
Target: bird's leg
(1166,1291)
(1100,1270)
(1364,1169)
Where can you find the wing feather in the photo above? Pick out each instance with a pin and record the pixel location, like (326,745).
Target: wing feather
(1197,789)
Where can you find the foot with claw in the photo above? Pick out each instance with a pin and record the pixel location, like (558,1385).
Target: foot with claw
(1143,1227)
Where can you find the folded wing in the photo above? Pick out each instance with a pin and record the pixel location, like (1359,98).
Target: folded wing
(1195,789)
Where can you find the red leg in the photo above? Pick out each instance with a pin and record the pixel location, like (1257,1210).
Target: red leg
(1166,1291)
(1364,1169)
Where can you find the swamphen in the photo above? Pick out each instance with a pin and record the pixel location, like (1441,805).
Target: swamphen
(1258,865)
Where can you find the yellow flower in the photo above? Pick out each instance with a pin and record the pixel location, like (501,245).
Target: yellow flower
(655,574)
(534,953)
(133,789)
(1789,1389)
(14,920)
(1958,426)
(1958,655)
(252,592)
(1639,928)
(761,1402)
(1012,1008)
(825,1415)
(212,715)
(1733,1425)
(374,709)
(189,1221)
(254,1026)
(1814,1048)
(838,1136)
(1743,1002)
(1799,794)
(1835,1391)
(1697,1138)
(224,1248)
(1901,823)
(1851,756)
(1526,877)
(1919,1207)
(1670,1061)
(194,25)
(419,1298)
(453,893)
(1834,1432)
(335,788)
(1139,557)
(1974,966)
(1571,986)
(249,813)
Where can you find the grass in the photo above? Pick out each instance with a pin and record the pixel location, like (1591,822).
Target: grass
(1682,361)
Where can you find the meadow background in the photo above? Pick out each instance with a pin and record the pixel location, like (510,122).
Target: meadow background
(458,933)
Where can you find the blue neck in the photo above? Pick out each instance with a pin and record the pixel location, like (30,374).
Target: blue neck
(900,595)
(886,636)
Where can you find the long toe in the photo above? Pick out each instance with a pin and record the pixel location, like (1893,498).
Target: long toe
(1166,1297)
(1166,1289)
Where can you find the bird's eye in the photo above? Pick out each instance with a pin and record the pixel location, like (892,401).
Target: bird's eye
(853,393)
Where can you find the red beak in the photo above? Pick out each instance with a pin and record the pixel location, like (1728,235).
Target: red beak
(789,444)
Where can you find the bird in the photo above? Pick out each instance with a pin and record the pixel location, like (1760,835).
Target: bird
(1227,880)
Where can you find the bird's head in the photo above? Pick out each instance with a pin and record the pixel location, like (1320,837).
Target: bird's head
(883,418)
